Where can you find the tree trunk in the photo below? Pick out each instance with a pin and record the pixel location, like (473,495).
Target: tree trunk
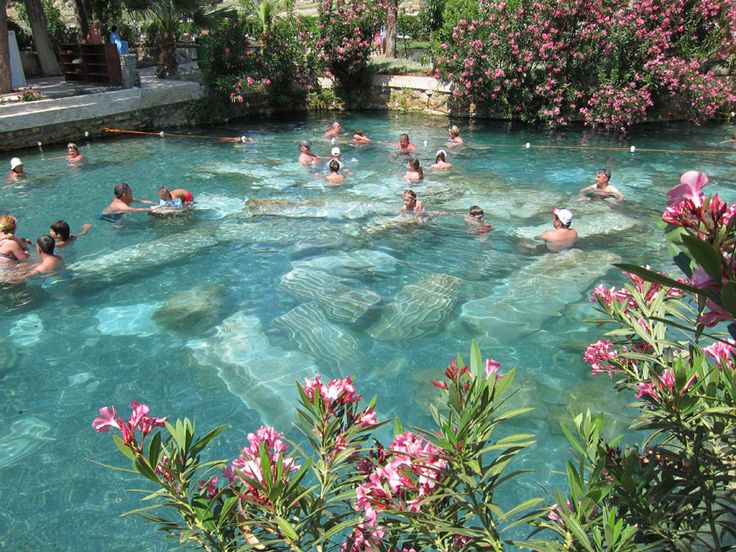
(391,27)
(5,80)
(82,19)
(167,64)
(39,28)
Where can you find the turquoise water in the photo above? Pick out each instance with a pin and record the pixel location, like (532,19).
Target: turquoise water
(273,277)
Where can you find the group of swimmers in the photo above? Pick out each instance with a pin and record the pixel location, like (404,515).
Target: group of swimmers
(15,249)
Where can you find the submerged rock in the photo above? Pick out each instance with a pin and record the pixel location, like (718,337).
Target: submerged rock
(309,327)
(263,376)
(360,263)
(339,302)
(535,293)
(25,437)
(196,308)
(418,310)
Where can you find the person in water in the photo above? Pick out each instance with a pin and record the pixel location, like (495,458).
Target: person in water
(49,261)
(404,144)
(12,248)
(167,199)
(185,196)
(16,168)
(334,131)
(562,237)
(414,172)
(413,206)
(359,137)
(72,153)
(306,157)
(61,233)
(123,200)
(334,179)
(440,161)
(454,136)
(475,219)
(602,189)
(336,155)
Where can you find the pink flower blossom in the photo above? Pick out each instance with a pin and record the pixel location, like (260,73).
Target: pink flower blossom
(646,390)
(689,188)
(106,420)
(719,351)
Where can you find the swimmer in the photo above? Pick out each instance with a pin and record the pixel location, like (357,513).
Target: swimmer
(49,261)
(16,169)
(359,137)
(12,248)
(334,131)
(334,179)
(336,155)
(123,199)
(413,206)
(440,161)
(72,153)
(454,136)
(404,144)
(306,157)
(184,195)
(601,189)
(166,199)
(562,236)
(731,140)
(414,172)
(61,232)
(476,220)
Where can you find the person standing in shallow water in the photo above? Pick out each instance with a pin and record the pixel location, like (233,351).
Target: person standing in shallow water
(562,237)
(123,199)
(602,189)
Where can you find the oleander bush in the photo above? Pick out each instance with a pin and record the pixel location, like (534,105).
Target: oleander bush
(345,484)
(608,63)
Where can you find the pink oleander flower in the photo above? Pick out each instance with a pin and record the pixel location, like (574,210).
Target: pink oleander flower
(366,418)
(720,351)
(646,390)
(600,356)
(106,420)
(689,188)
(715,314)
(668,379)
(492,367)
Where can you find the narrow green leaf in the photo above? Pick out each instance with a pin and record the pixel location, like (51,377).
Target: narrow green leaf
(728,296)
(707,256)
(122,448)
(287,529)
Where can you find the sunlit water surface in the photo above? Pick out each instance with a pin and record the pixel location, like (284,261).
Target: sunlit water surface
(273,277)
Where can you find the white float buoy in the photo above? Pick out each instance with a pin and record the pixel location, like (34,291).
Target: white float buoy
(527,145)
(425,143)
(86,134)
(632,149)
(242,139)
(161,134)
(39,143)
(332,141)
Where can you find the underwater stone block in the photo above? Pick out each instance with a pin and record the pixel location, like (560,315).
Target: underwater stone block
(192,309)
(263,376)
(418,310)
(356,263)
(313,208)
(309,327)
(339,302)
(589,222)
(537,292)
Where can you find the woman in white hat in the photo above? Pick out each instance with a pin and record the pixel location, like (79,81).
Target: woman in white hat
(16,168)
(440,161)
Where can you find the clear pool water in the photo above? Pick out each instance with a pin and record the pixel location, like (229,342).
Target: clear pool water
(274,277)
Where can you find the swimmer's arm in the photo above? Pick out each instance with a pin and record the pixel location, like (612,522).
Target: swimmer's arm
(85,230)
(544,236)
(18,247)
(582,192)
(146,201)
(617,193)
(347,172)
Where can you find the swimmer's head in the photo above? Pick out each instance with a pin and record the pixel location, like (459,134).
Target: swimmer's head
(476,211)
(16,165)
(453,131)
(8,224)
(410,196)
(336,126)
(441,155)
(334,165)
(164,193)
(71,146)
(61,229)
(404,141)
(564,216)
(359,132)
(45,244)
(604,173)
(121,190)
(413,164)
(304,144)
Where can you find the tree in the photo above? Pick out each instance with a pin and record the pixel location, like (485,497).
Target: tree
(391,25)
(5,81)
(41,38)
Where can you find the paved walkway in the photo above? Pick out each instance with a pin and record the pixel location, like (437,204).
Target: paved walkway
(73,108)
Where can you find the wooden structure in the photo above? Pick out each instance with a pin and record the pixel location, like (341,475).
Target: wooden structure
(98,63)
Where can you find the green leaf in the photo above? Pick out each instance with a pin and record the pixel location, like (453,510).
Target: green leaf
(154,449)
(728,296)
(398,428)
(145,470)
(204,441)
(707,256)
(652,276)
(122,448)
(287,529)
